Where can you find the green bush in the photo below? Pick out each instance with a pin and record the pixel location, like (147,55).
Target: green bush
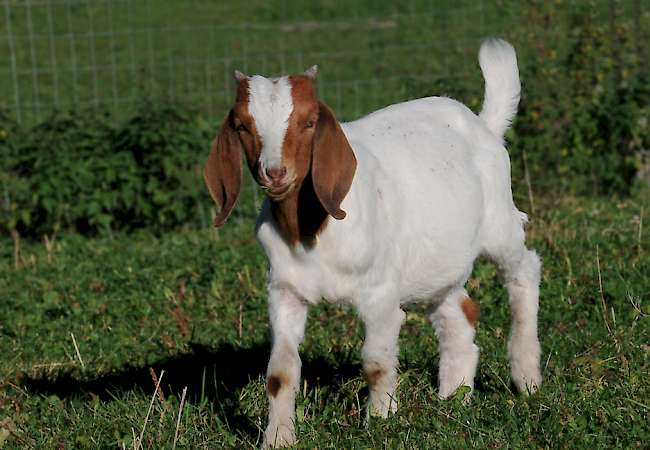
(51,172)
(168,153)
(585,100)
(76,171)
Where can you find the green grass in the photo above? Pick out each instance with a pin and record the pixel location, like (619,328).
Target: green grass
(195,307)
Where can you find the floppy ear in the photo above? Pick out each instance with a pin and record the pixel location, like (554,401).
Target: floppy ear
(223,169)
(333,163)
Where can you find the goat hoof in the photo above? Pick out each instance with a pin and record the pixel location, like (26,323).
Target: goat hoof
(278,436)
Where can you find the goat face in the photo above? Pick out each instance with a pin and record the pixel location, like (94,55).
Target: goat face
(287,135)
(277,131)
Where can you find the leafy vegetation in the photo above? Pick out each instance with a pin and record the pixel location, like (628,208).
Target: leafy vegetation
(584,110)
(582,126)
(75,171)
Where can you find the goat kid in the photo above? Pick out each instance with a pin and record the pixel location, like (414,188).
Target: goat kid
(380,213)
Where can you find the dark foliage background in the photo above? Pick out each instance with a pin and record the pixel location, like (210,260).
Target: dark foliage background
(77,171)
(582,128)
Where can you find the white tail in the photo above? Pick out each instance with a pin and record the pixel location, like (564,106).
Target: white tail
(498,62)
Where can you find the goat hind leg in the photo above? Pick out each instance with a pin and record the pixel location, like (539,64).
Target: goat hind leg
(453,322)
(524,351)
(520,269)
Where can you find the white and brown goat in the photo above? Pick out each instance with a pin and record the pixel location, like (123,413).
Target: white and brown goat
(380,213)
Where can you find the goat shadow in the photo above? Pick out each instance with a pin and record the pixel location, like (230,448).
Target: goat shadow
(216,376)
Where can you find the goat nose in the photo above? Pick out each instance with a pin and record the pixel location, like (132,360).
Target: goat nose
(276,173)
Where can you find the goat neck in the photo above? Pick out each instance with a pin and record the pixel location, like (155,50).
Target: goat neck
(301,216)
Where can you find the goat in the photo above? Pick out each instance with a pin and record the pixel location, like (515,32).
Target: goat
(387,211)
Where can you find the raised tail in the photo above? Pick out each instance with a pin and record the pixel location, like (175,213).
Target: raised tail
(498,62)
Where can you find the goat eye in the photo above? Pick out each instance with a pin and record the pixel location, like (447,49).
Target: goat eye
(310,124)
(241,128)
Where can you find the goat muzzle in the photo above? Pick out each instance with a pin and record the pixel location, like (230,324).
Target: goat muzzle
(276,174)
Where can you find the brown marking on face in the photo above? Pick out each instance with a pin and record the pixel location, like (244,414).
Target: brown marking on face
(297,144)
(470,309)
(273,385)
(373,374)
(244,125)
(301,215)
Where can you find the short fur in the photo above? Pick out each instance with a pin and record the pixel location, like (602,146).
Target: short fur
(470,309)
(417,191)
(270,106)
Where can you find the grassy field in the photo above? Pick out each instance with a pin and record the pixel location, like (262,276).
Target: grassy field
(87,328)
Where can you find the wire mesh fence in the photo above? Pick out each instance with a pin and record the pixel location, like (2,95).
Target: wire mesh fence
(112,53)
(80,52)
(61,54)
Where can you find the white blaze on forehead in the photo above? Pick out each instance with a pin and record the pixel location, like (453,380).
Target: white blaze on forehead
(270,105)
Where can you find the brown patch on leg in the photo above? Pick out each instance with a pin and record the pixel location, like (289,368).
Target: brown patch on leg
(470,309)
(373,374)
(274,383)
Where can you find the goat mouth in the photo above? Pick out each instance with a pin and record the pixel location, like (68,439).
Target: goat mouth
(277,193)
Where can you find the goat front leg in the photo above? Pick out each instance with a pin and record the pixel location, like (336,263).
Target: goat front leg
(288,316)
(379,355)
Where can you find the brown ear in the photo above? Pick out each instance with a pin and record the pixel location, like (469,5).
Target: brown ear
(223,169)
(333,163)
